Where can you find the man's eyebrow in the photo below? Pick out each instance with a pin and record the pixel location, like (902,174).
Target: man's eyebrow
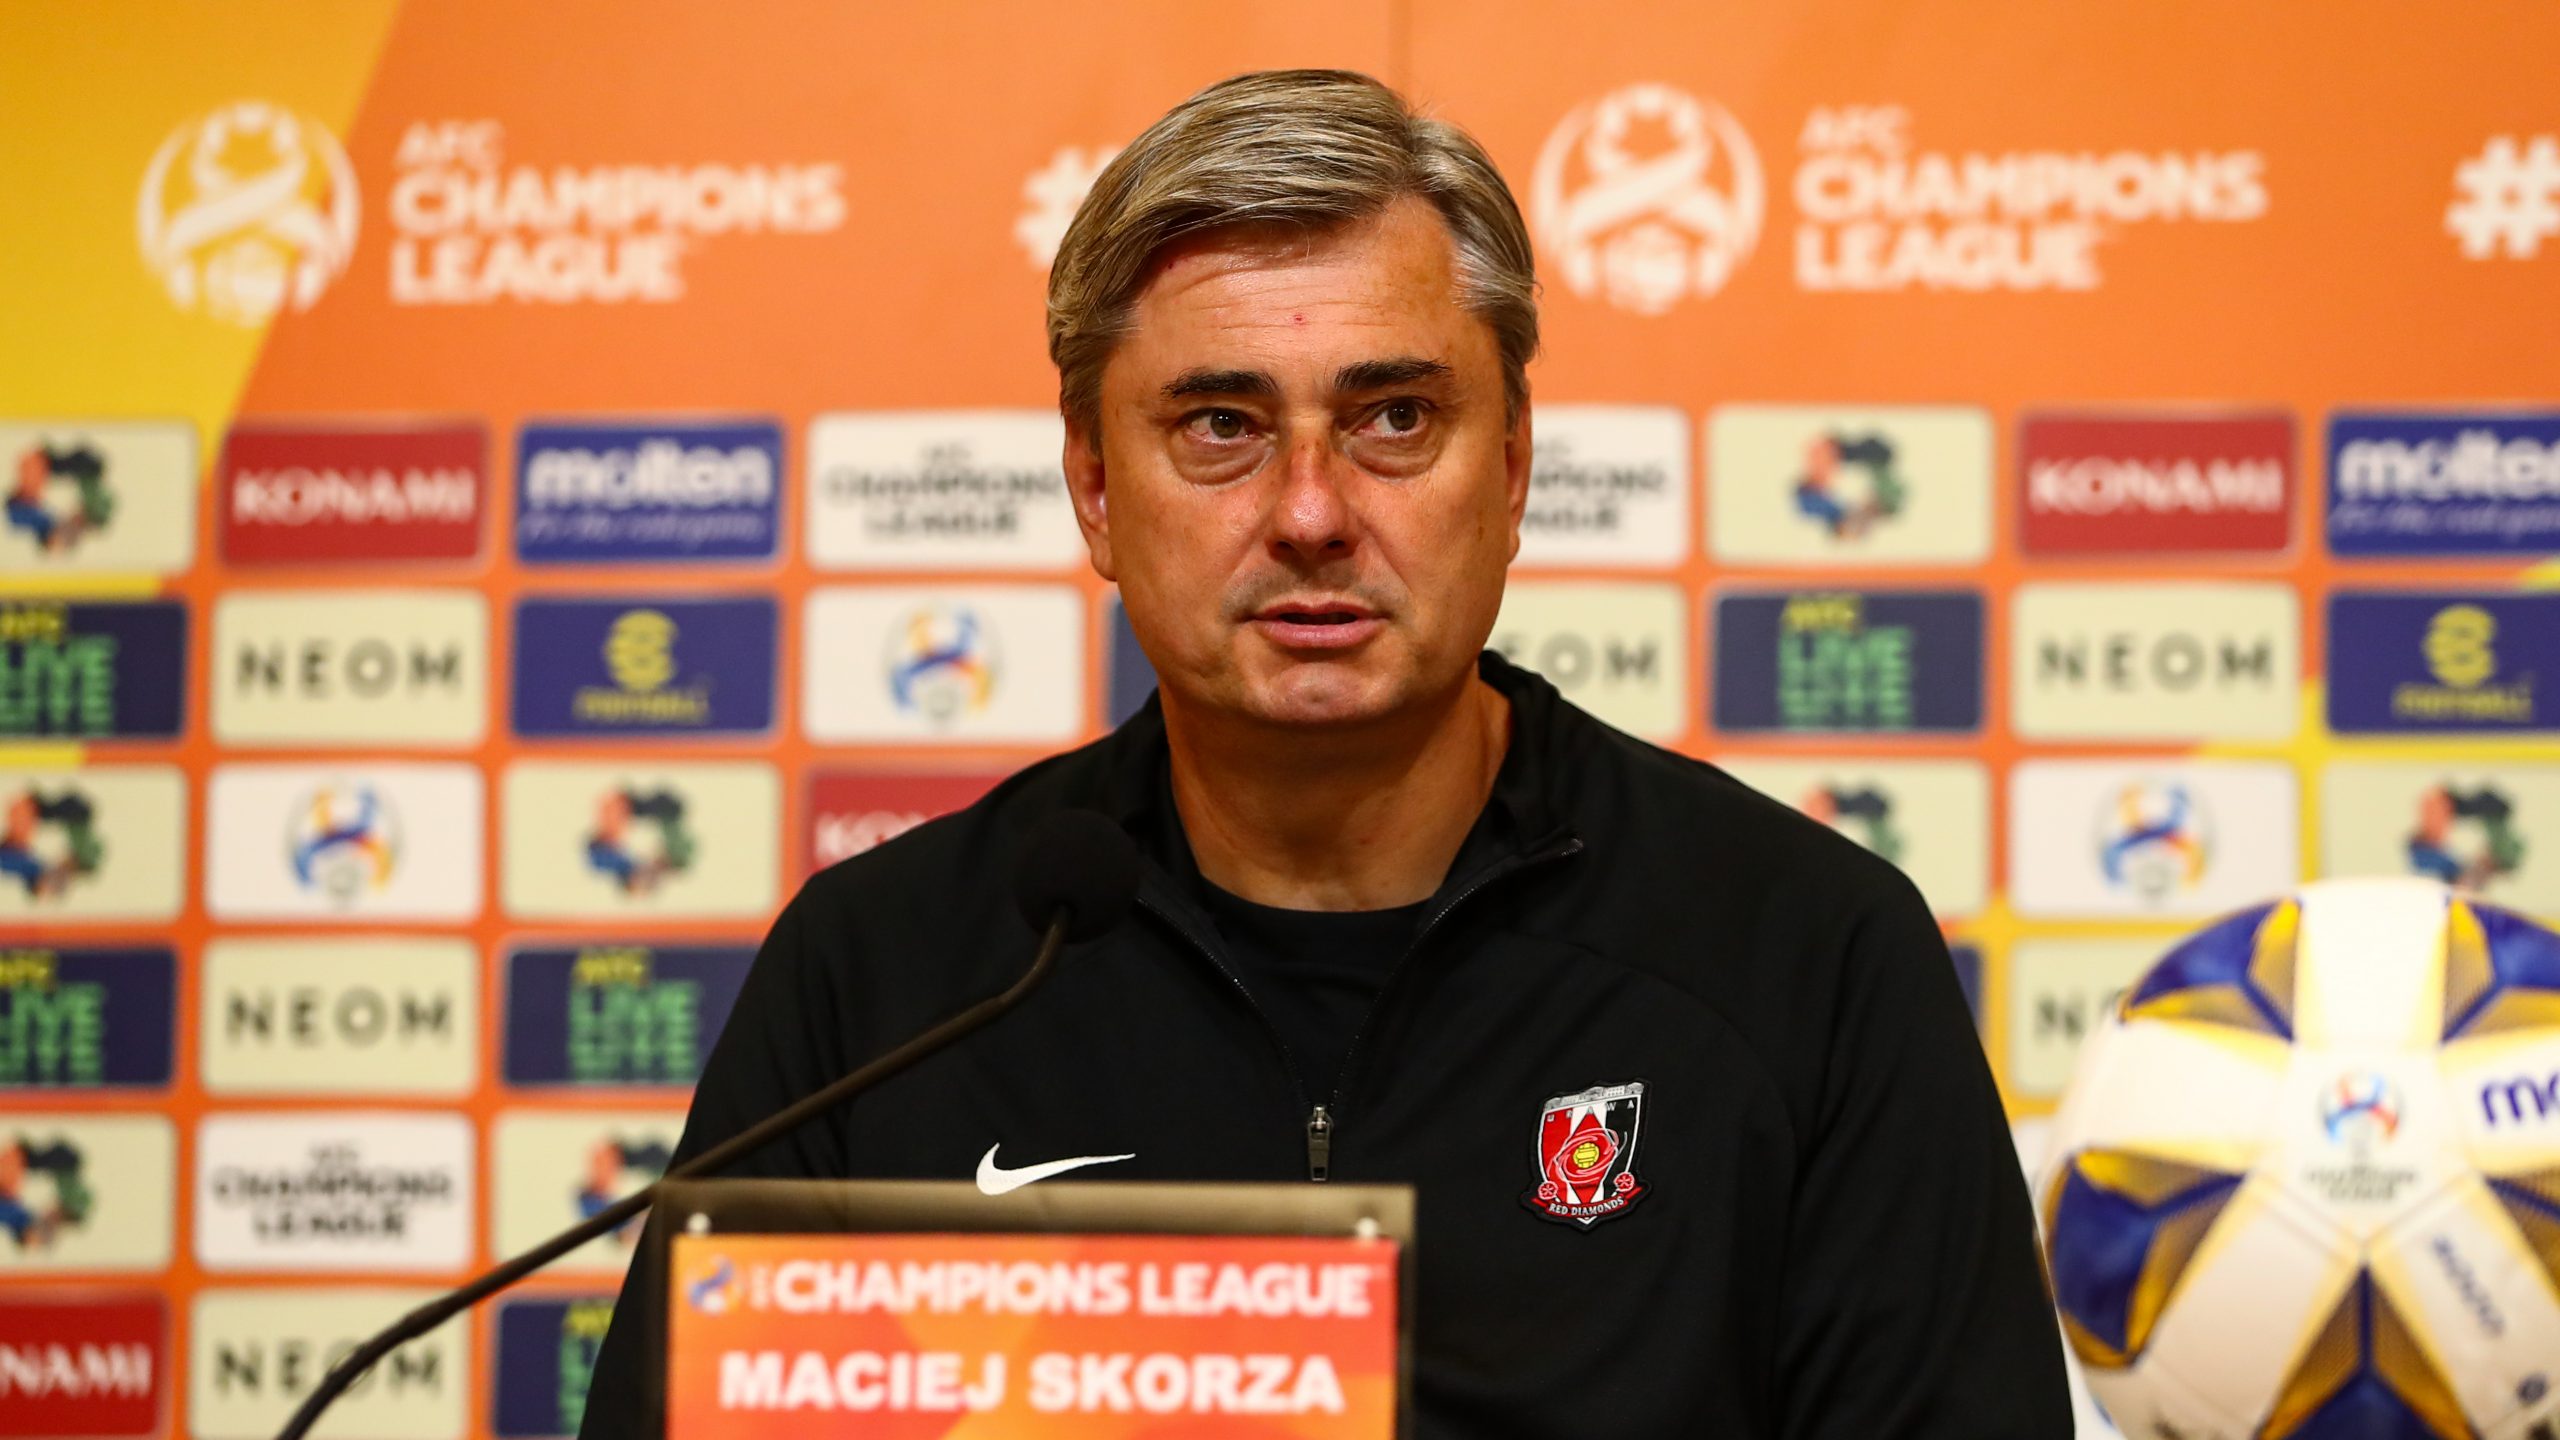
(1220,382)
(1386,374)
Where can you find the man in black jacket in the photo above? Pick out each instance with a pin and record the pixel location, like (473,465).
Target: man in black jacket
(1702,1139)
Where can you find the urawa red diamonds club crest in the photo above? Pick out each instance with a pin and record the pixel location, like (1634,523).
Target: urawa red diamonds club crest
(1587,1155)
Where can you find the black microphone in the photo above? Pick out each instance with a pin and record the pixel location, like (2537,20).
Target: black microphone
(1075,879)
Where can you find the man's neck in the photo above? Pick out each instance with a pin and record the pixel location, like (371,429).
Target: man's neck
(1361,820)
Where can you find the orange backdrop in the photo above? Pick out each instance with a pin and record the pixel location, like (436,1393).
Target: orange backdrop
(2286,211)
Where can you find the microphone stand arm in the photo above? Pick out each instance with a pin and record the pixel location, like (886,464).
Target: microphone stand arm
(719,1157)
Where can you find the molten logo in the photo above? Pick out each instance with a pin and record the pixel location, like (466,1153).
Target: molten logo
(2520,1100)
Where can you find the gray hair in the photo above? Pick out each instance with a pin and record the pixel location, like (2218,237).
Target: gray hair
(1296,148)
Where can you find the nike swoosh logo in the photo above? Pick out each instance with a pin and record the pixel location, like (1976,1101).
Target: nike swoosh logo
(994,1179)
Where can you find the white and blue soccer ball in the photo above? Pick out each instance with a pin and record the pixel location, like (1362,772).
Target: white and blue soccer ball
(2305,1184)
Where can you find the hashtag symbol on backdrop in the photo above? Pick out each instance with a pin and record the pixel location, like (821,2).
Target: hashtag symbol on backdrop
(1051,197)
(2509,198)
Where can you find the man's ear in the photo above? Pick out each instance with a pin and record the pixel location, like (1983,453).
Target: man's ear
(1083,461)
(1517,452)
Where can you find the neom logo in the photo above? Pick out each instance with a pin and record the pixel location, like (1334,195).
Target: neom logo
(1573,661)
(289,1368)
(317,668)
(359,1017)
(2175,662)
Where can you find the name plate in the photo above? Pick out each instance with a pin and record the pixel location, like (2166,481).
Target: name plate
(1032,1335)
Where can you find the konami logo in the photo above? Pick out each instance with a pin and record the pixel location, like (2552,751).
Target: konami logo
(850,811)
(2145,484)
(302,494)
(83,1365)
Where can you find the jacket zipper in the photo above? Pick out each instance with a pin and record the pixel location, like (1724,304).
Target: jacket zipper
(1321,1124)
(1323,1118)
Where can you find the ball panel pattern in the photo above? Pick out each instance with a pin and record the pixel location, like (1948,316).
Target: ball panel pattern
(2365,1377)
(2533,1202)
(2502,973)
(2306,1182)
(2126,1227)
(2476,1299)
(2237,972)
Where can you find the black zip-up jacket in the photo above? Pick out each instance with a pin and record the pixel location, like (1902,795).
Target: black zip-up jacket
(1829,1237)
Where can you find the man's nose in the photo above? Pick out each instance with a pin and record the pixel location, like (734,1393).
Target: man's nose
(1311,519)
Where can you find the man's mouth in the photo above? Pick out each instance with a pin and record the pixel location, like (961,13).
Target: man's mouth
(1316,624)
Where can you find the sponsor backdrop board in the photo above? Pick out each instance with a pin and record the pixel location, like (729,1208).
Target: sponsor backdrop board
(93,671)
(253,1357)
(340,668)
(83,1017)
(1620,651)
(333,1190)
(2462,823)
(1608,488)
(2176,839)
(1832,488)
(2161,661)
(2059,991)
(386,1015)
(351,843)
(1931,817)
(443,616)
(554,1169)
(588,839)
(103,843)
(88,1192)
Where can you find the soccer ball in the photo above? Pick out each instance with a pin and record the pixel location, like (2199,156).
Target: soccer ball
(2305,1184)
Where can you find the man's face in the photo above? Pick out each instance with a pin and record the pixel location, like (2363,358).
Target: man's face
(1304,484)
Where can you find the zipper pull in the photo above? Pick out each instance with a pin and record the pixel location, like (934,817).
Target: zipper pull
(1319,1144)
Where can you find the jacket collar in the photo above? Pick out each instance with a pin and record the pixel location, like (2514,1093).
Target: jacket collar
(1521,814)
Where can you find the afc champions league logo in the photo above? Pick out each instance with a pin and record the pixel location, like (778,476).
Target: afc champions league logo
(2154,840)
(343,840)
(247,211)
(941,662)
(1646,197)
(711,1286)
(2361,1109)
